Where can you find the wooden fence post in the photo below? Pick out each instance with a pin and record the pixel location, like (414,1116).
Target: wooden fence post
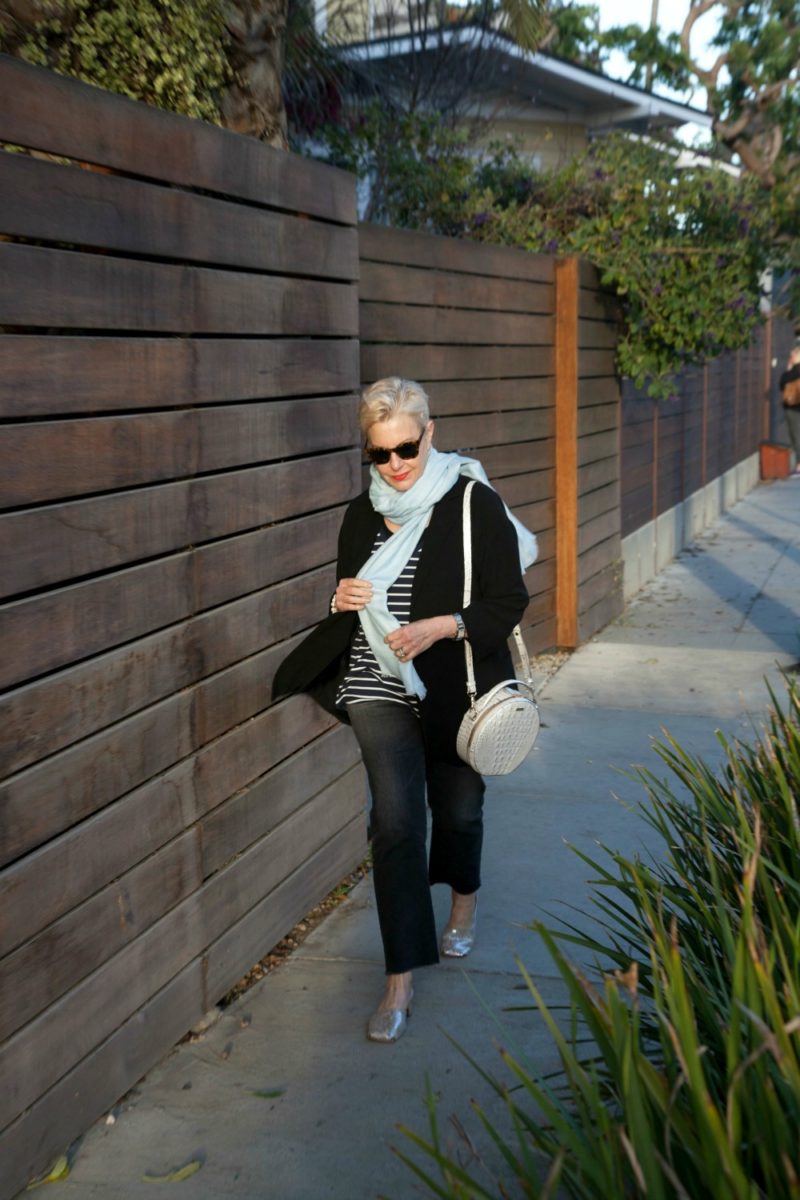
(566,454)
(766,375)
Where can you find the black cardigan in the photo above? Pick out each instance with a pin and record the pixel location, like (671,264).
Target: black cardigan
(499,598)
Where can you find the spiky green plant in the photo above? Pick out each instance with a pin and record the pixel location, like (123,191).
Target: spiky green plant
(680,1064)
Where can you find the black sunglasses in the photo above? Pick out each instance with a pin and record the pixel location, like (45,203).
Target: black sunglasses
(406,450)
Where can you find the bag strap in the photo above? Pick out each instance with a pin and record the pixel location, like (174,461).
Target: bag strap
(522,653)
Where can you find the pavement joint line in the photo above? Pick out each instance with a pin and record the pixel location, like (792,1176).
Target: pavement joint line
(757,595)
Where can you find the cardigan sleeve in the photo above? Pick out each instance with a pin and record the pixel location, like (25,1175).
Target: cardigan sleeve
(499,595)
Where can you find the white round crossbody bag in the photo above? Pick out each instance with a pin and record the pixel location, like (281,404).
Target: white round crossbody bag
(499,728)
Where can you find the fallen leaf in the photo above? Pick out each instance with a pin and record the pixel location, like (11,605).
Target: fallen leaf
(59,1170)
(271,1094)
(177,1175)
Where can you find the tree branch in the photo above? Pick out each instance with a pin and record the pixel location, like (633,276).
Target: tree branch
(707,77)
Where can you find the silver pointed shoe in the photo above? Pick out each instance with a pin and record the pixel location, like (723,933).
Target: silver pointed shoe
(458,940)
(389,1024)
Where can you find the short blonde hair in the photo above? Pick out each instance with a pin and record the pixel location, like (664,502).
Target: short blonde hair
(393,397)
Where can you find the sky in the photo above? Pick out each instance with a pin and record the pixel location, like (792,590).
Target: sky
(671,15)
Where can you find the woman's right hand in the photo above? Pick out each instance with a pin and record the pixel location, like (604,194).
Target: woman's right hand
(353,594)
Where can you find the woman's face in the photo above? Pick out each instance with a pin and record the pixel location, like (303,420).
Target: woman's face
(400,473)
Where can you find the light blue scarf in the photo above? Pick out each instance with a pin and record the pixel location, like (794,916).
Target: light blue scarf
(411,510)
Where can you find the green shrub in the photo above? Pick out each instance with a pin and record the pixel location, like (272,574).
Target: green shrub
(170,53)
(680,1070)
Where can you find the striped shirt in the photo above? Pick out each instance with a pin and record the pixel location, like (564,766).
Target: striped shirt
(363,680)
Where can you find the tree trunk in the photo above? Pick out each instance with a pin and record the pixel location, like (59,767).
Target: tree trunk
(253,103)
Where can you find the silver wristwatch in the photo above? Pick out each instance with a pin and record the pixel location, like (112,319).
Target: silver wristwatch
(461,629)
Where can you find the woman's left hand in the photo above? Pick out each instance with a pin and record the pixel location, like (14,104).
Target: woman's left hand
(410,640)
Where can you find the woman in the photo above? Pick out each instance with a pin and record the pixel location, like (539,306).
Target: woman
(789,384)
(389,660)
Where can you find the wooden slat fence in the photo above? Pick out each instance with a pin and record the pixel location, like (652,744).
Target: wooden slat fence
(475,325)
(178,360)
(672,448)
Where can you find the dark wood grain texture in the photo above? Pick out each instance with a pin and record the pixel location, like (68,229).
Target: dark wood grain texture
(380,244)
(50,112)
(393,283)
(49,1046)
(178,362)
(43,546)
(53,460)
(68,289)
(43,375)
(56,203)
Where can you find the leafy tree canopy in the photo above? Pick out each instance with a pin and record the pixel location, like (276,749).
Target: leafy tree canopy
(684,249)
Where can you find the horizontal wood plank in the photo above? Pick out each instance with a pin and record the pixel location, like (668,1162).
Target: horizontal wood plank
(588,275)
(598,529)
(538,517)
(637,509)
(523,489)
(598,474)
(605,583)
(433,363)
(541,637)
(47,799)
(596,446)
(48,1047)
(42,886)
(597,335)
(64,953)
(51,202)
(394,283)
(251,813)
(381,244)
(593,363)
(599,306)
(68,289)
(494,429)
(601,500)
(541,577)
(597,391)
(539,608)
(52,375)
(248,940)
(518,458)
(53,460)
(597,617)
(598,557)
(51,630)
(43,546)
(471,396)
(50,112)
(597,419)
(418,324)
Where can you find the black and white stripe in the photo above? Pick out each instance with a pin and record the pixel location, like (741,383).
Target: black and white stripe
(363,680)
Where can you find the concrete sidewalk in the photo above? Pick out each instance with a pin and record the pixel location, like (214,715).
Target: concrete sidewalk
(690,654)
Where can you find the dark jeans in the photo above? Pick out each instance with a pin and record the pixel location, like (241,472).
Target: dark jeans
(393,750)
(793,426)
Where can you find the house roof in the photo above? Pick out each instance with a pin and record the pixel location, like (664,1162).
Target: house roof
(540,80)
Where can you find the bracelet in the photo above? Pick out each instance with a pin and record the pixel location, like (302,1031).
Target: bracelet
(334,609)
(461,629)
